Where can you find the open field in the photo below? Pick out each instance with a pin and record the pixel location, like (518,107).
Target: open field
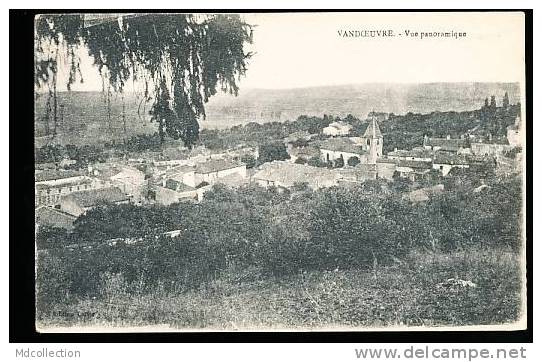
(405,294)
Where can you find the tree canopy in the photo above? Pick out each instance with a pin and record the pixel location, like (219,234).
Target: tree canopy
(181,60)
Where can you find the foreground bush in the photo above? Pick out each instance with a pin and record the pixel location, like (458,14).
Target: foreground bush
(272,232)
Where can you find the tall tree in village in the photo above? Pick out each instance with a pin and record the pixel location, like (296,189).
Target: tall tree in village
(505,101)
(180,60)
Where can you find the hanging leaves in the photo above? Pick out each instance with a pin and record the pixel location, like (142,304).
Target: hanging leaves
(181,60)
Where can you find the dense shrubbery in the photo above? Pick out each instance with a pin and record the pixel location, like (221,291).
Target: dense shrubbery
(270,152)
(255,134)
(83,155)
(271,231)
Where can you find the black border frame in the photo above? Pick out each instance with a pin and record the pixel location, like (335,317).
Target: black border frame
(21,223)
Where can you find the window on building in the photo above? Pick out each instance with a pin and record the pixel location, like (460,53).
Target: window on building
(368,142)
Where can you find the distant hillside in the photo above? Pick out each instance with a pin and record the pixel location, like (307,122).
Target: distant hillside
(85,119)
(262,105)
(85,113)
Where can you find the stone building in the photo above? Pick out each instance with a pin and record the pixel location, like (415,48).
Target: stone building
(77,203)
(337,129)
(212,171)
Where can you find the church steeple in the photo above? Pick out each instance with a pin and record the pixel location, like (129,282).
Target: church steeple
(373,139)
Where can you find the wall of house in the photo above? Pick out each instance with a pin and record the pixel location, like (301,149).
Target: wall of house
(489,149)
(334,131)
(329,155)
(211,178)
(385,170)
(415,158)
(136,191)
(514,137)
(166,196)
(52,195)
(189,178)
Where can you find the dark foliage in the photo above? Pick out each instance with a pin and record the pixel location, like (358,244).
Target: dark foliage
(353,161)
(181,59)
(273,231)
(272,152)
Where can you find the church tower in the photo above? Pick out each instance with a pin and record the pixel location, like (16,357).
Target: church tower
(373,140)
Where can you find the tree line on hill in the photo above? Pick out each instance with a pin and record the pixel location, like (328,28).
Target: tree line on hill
(400,131)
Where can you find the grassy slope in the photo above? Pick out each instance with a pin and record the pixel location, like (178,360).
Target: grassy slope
(401,295)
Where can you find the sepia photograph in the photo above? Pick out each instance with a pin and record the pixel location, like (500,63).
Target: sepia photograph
(280,171)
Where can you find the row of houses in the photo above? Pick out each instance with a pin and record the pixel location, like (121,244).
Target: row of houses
(361,152)
(190,182)
(62,197)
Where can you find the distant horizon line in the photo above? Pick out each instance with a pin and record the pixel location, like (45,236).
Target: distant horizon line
(318,86)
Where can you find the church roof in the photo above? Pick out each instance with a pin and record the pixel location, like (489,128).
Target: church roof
(373,130)
(341,144)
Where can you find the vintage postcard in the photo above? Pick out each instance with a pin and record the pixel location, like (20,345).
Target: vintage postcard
(289,171)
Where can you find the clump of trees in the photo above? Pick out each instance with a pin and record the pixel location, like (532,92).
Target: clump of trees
(82,155)
(272,152)
(353,161)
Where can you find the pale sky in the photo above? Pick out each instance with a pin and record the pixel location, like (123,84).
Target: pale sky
(304,49)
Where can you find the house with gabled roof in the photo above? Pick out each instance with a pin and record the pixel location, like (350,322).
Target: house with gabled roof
(447,144)
(412,170)
(174,191)
(415,154)
(209,172)
(338,128)
(445,162)
(77,203)
(286,174)
(50,216)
